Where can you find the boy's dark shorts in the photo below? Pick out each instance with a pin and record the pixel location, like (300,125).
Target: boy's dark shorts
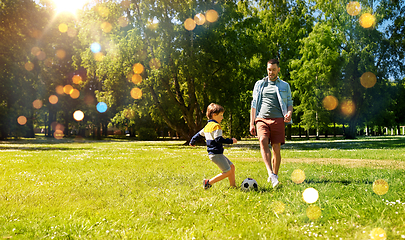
(273,128)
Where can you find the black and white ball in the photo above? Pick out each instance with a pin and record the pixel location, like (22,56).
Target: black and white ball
(249,184)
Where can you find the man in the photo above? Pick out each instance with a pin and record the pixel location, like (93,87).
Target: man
(271,108)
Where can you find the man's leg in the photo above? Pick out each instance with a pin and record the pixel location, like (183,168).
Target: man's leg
(266,154)
(276,157)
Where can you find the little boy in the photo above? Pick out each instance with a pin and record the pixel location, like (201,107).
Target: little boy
(213,136)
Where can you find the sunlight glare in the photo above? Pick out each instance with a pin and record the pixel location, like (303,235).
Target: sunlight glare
(380,187)
(367,20)
(368,79)
(378,234)
(348,108)
(189,24)
(78,115)
(136,93)
(310,195)
(330,102)
(313,212)
(22,120)
(69,6)
(353,8)
(136,78)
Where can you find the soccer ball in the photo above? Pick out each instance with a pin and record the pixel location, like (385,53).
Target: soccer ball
(249,184)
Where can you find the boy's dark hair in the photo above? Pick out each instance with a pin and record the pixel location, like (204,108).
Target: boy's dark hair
(274,61)
(214,108)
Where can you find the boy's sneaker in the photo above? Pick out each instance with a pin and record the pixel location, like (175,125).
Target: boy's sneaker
(273,178)
(206,184)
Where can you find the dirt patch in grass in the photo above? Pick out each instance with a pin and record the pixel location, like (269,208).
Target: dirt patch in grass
(354,163)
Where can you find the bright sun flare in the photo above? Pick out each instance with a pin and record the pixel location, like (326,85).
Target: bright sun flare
(69,6)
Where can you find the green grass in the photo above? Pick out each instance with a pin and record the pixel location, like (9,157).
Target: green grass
(153,190)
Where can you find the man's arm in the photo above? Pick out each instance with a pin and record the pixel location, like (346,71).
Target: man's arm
(287,117)
(252,128)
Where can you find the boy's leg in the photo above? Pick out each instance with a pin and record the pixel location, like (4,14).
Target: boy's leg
(226,166)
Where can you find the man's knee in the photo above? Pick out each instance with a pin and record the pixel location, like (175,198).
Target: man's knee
(264,140)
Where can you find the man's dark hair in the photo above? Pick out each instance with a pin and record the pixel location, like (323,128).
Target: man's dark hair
(273,61)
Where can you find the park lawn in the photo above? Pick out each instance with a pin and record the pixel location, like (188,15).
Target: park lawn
(120,189)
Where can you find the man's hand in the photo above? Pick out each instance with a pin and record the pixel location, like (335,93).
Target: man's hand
(234,140)
(252,129)
(287,117)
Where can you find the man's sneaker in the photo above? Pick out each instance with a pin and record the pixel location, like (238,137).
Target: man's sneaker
(274,180)
(206,184)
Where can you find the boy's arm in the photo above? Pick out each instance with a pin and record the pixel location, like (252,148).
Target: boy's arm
(196,137)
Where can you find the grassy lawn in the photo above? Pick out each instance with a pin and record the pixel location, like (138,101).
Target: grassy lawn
(153,190)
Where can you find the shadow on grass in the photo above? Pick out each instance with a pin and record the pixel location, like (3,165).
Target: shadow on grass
(360,143)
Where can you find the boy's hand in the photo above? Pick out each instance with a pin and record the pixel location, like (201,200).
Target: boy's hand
(191,144)
(234,140)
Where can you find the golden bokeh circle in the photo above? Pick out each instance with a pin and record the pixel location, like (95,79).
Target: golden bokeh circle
(378,234)
(72,32)
(136,93)
(313,212)
(211,15)
(63,27)
(29,66)
(77,79)
(353,8)
(368,79)
(106,27)
(53,99)
(367,20)
(75,94)
(60,53)
(22,120)
(58,134)
(348,108)
(123,21)
(41,55)
(78,115)
(35,51)
(99,56)
(199,19)
(136,78)
(68,89)
(59,89)
(330,102)
(298,176)
(37,104)
(138,68)
(310,195)
(380,187)
(189,24)
(277,207)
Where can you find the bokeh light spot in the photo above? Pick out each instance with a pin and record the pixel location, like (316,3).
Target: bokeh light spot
(154,63)
(367,20)
(368,79)
(35,51)
(29,66)
(138,68)
(89,99)
(353,8)
(48,62)
(126,3)
(95,47)
(59,89)
(99,56)
(380,187)
(378,234)
(277,207)
(298,176)
(68,89)
(330,102)
(136,93)
(310,195)
(136,78)
(37,104)
(75,94)
(71,32)
(211,15)
(58,134)
(53,99)
(77,79)
(106,27)
(313,212)
(101,107)
(123,21)
(41,55)
(22,120)
(103,11)
(348,108)
(78,115)
(60,53)
(189,24)
(199,19)
(63,27)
